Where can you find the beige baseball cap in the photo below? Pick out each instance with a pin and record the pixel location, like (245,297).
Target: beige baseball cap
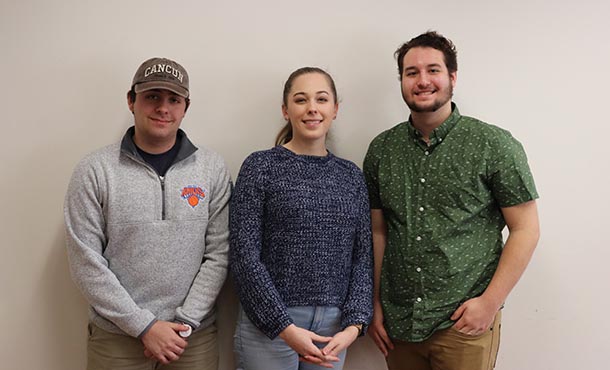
(161,73)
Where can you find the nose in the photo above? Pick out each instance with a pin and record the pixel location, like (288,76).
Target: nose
(162,106)
(423,79)
(312,107)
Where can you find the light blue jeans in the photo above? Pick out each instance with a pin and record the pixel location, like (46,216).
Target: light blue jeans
(255,351)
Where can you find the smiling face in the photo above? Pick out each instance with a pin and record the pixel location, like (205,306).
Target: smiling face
(157,117)
(310,107)
(426,83)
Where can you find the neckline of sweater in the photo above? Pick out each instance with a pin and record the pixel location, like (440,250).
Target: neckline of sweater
(305,157)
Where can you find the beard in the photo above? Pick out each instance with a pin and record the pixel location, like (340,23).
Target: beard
(443,96)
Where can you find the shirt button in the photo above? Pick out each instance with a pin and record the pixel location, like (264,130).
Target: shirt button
(422,180)
(421,209)
(440,139)
(426,152)
(418,299)
(418,238)
(418,269)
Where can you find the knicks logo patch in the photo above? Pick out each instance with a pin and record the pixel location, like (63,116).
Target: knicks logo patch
(192,194)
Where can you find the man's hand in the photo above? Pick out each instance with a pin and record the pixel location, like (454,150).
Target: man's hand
(377,331)
(163,343)
(302,341)
(475,316)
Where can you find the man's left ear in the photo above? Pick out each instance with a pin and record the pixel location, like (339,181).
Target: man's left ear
(453,78)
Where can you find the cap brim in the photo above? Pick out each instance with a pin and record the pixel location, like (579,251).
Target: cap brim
(152,85)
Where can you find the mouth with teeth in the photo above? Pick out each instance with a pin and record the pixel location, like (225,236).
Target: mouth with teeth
(424,93)
(312,123)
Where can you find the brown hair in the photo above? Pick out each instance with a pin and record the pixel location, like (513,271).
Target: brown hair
(430,39)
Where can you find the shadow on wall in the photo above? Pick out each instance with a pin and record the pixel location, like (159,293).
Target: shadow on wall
(226,315)
(364,355)
(64,322)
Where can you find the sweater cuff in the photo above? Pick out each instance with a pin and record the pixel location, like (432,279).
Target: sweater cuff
(147,329)
(274,332)
(181,317)
(356,319)
(137,326)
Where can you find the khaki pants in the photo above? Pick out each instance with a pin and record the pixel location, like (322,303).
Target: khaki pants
(109,351)
(448,349)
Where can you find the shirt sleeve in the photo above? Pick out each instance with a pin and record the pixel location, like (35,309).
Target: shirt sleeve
(371,173)
(85,241)
(510,177)
(358,307)
(208,282)
(258,295)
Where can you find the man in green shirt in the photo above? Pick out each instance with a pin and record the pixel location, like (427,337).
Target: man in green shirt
(442,188)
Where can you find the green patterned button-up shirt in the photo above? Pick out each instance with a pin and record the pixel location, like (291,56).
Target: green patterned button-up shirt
(441,202)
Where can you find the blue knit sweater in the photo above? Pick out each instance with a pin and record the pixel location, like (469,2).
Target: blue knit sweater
(300,236)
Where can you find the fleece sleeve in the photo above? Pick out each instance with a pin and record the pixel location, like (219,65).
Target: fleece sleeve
(86,240)
(202,295)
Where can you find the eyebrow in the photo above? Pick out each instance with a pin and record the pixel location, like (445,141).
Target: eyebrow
(427,66)
(303,93)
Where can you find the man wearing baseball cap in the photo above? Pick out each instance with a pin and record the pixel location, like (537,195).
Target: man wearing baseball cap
(147,235)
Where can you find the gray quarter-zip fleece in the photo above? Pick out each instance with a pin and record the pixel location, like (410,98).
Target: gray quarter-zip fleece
(143,248)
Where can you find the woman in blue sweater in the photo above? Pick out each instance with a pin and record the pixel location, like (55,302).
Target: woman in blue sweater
(301,251)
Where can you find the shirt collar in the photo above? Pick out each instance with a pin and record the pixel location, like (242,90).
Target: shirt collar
(186,146)
(439,133)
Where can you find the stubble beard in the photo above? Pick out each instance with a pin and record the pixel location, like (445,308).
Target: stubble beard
(446,96)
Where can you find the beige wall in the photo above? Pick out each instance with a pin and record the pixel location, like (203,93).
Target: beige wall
(538,70)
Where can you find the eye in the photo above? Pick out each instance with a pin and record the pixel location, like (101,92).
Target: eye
(435,70)
(151,96)
(175,100)
(299,100)
(323,99)
(410,73)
